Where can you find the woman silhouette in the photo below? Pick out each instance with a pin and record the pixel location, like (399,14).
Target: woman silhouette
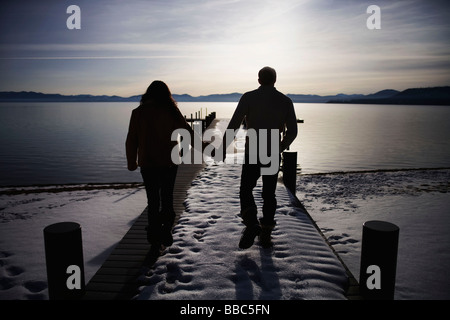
(149,146)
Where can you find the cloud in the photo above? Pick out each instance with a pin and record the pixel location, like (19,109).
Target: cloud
(218,46)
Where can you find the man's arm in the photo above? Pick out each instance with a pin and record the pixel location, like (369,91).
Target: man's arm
(239,114)
(291,129)
(234,124)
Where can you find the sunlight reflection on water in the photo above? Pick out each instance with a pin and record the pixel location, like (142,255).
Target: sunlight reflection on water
(46,143)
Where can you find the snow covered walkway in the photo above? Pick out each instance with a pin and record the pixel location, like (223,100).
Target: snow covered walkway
(205,262)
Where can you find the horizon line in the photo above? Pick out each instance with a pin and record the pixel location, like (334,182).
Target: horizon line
(229,93)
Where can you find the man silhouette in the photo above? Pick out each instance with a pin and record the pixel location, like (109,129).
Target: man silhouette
(263,108)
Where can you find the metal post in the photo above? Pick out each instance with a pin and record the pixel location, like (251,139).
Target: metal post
(378,260)
(290,170)
(64,259)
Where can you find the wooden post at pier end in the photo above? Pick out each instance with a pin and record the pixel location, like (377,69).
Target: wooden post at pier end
(64,259)
(290,170)
(378,260)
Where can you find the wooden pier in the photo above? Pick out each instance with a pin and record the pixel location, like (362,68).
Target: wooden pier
(206,122)
(117,278)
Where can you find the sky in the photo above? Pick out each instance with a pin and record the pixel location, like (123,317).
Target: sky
(204,47)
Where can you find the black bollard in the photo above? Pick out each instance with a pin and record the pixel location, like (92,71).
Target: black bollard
(64,259)
(290,170)
(378,260)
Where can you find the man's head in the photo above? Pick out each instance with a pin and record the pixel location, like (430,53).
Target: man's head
(267,76)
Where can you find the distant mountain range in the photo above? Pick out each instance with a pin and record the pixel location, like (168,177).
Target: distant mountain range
(425,96)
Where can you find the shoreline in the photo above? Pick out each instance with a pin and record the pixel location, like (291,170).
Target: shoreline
(55,187)
(373,171)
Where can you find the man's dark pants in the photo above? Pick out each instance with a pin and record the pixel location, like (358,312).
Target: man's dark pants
(249,178)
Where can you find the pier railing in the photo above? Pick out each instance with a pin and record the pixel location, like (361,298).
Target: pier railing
(198,118)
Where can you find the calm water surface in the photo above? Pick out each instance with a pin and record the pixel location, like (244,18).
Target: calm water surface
(53,143)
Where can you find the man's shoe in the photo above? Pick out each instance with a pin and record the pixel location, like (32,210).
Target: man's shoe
(248,236)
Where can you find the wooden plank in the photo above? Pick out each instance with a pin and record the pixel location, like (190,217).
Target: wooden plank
(138,241)
(115,278)
(118,264)
(131,251)
(101,295)
(118,288)
(126,257)
(118,271)
(138,246)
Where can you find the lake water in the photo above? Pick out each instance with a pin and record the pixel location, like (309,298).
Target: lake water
(58,143)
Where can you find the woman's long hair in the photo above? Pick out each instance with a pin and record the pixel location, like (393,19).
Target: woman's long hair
(159,93)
